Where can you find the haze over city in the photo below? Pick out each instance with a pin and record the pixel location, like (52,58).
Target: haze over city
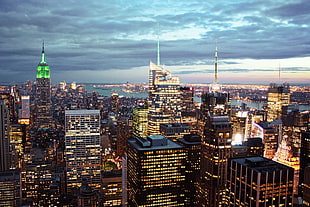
(113,41)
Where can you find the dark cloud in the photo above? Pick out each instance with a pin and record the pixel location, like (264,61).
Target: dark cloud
(107,35)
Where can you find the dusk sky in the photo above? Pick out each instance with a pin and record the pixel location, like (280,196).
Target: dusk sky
(109,41)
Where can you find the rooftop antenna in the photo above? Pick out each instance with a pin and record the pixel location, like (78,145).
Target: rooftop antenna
(215,63)
(158,51)
(43,46)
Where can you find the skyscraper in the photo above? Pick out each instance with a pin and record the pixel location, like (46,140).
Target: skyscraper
(156,172)
(4,137)
(140,120)
(164,97)
(278,98)
(24,116)
(258,181)
(83,148)
(43,94)
(216,131)
(192,144)
(10,188)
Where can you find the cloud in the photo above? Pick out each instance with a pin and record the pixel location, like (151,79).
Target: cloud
(102,37)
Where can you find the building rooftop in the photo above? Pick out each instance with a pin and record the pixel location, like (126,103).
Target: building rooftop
(154,142)
(261,164)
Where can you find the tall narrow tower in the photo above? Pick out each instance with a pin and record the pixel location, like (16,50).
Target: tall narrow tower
(216,134)
(43,94)
(164,97)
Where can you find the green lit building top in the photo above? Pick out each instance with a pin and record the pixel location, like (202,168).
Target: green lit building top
(43,68)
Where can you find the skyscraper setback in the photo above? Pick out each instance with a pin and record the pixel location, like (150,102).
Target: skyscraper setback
(43,93)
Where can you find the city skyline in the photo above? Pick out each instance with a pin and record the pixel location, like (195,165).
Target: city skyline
(114,41)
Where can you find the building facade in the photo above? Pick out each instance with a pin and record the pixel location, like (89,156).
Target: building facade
(4,137)
(278,98)
(164,99)
(82,148)
(258,181)
(156,172)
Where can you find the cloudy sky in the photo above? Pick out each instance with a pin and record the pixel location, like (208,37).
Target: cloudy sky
(114,40)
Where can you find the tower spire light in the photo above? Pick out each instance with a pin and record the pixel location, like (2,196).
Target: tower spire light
(215,63)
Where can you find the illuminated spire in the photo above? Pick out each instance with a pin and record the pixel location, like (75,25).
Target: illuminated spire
(215,64)
(158,51)
(43,61)
(43,70)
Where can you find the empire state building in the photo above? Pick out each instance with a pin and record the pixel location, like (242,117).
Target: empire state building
(43,94)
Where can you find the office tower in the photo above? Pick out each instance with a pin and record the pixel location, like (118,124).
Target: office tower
(4,137)
(82,148)
(174,131)
(156,172)
(124,132)
(112,188)
(192,144)
(216,130)
(10,188)
(269,135)
(306,187)
(140,120)
(241,124)
(17,140)
(278,98)
(216,149)
(305,164)
(164,97)
(258,181)
(187,99)
(24,116)
(43,94)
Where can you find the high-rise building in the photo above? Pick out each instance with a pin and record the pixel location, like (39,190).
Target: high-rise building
(140,120)
(305,163)
(4,137)
(82,148)
(306,187)
(24,116)
(43,94)
(216,149)
(269,135)
(156,172)
(278,98)
(216,132)
(258,181)
(17,140)
(192,144)
(10,188)
(164,98)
